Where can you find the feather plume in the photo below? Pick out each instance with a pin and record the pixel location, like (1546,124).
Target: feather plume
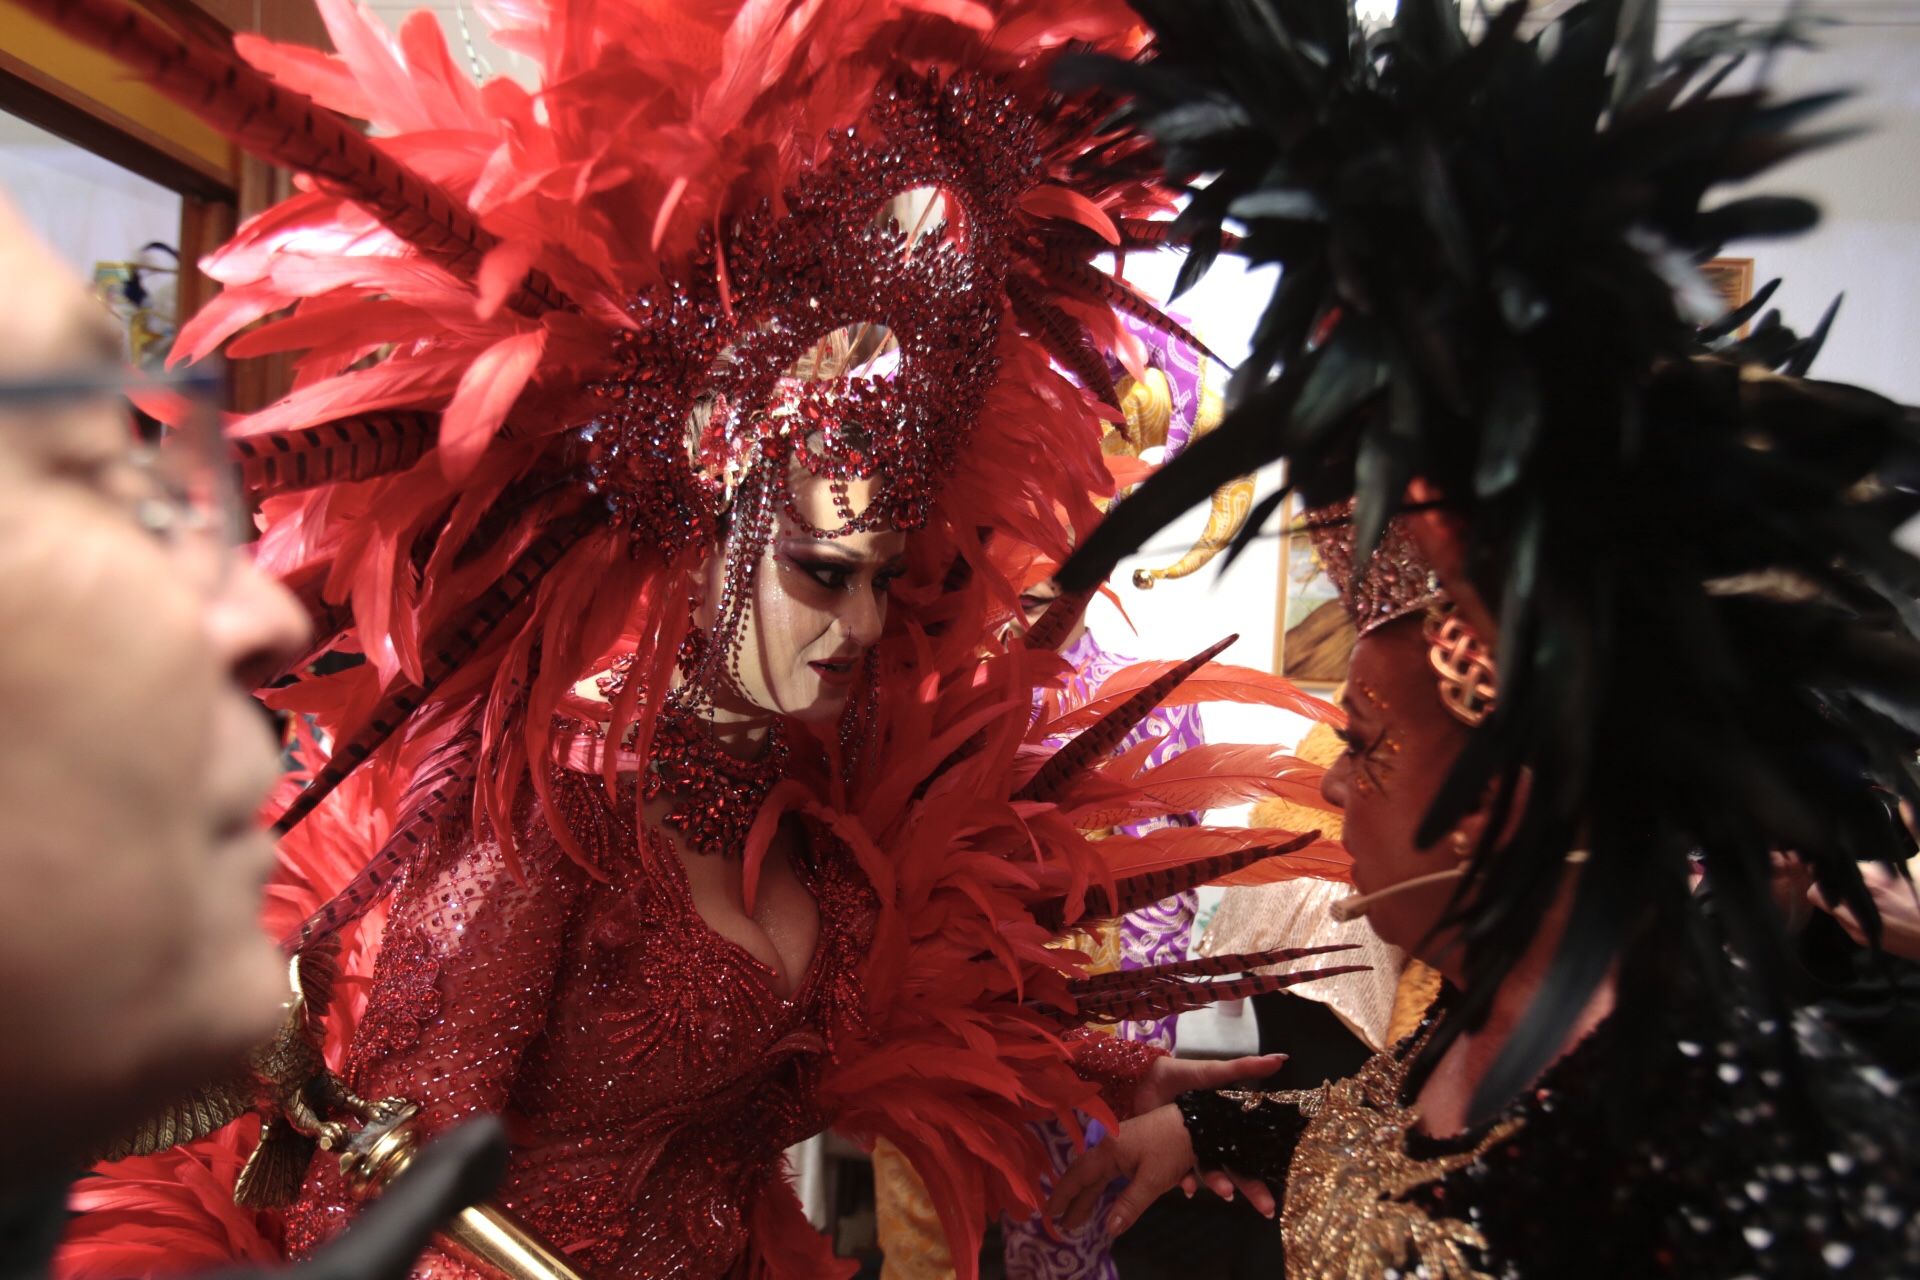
(1484,300)
(399,703)
(1104,735)
(345,449)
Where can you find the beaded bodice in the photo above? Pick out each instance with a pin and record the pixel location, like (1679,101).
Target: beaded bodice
(650,1072)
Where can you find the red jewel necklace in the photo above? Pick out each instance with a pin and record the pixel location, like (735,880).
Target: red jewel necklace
(716,795)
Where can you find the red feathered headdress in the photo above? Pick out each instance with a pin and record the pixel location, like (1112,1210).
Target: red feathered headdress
(553,337)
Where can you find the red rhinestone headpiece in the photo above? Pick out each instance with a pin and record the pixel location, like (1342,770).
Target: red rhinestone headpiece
(776,287)
(556,343)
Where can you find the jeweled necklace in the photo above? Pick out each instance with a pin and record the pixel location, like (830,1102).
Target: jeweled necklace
(715,795)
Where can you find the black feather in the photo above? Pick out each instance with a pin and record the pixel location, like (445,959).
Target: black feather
(1707,636)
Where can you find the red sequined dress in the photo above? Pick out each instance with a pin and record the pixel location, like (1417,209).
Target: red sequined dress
(650,1072)
(554,345)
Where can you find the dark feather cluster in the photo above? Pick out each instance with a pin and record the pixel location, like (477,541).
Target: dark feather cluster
(1488,242)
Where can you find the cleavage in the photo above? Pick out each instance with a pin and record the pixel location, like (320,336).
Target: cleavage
(781,936)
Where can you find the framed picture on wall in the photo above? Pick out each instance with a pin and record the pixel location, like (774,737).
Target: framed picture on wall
(1313,637)
(1732,279)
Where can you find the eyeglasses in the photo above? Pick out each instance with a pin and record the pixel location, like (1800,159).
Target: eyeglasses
(182,491)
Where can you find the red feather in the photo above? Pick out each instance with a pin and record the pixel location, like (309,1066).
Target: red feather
(485,396)
(1051,201)
(1100,738)
(1217,682)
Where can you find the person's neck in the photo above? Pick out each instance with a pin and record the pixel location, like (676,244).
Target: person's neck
(1472,1055)
(740,728)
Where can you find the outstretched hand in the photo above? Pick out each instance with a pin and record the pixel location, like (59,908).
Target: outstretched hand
(1170,1077)
(1152,1151)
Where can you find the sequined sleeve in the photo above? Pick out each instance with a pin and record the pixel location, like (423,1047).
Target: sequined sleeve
(465,977)
(1253,1134)
(1117,1066)
(460,991)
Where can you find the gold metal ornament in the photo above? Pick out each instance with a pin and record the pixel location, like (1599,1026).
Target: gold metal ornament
(1464,664)
(1345,1216)
(286,1081)
(1227,514)
(484,1236)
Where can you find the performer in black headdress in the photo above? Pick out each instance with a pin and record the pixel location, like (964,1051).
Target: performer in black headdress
(1633,621)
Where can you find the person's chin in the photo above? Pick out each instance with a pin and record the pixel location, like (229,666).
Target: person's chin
(824,707)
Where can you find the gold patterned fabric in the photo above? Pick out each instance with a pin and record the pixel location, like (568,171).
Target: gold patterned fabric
(910,1235)
(1419,988)
(1345,1217)
(1346,1212)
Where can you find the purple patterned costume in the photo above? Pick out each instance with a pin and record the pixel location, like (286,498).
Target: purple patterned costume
(1151,935)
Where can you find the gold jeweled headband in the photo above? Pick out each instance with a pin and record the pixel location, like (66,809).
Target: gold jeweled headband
(1397,583)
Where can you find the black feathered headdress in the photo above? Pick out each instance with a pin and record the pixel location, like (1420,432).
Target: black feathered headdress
(1488,241)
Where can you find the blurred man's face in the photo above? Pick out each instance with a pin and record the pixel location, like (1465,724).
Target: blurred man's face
(133,762)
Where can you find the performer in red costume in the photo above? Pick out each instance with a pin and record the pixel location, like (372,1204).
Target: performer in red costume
(664,442)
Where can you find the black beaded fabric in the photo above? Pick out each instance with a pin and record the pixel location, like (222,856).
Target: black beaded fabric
(1697,1154)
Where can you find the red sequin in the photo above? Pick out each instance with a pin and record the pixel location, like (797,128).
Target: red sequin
(716,796)
(651,1074)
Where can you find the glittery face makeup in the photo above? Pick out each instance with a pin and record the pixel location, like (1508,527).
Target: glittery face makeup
(1401,743)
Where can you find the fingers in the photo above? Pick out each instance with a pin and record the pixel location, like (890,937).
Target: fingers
(1190,1185)
(1219,1183)
(448,1175)
(1078,1190)
(1883,882)
(1256,1193)
(1209,1075)
(1133,1202)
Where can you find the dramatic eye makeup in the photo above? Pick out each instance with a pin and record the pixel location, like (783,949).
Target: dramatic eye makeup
(1364,747)
(831,569)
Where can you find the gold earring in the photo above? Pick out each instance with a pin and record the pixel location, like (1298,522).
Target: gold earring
(1461,845)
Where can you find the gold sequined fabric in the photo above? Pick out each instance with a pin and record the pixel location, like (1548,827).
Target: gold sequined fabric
(1344,1217)
(1419,988)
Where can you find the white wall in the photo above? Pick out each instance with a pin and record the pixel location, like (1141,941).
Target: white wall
(89,209)
(1868,243)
